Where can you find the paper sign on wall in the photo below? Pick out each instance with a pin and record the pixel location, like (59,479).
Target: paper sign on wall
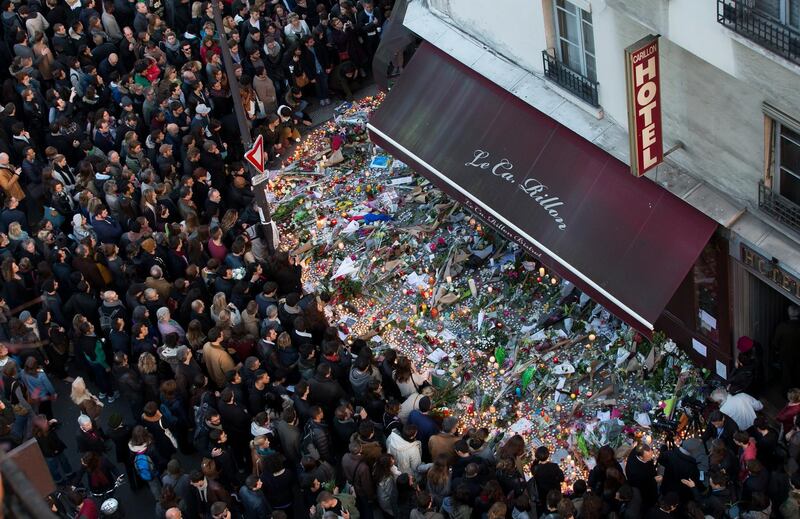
(722,370)
(699,347)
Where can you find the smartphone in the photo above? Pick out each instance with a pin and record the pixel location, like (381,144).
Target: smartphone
(702,476)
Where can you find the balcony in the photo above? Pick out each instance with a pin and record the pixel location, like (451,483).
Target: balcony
(779,207)
(760,28)
(570,80)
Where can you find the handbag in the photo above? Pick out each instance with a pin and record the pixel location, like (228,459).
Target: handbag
(301,80)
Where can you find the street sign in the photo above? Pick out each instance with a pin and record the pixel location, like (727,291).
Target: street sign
(255,155)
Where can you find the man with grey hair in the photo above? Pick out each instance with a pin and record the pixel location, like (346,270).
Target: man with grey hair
(157,282)
(444,442)
(741,407)
(110,309)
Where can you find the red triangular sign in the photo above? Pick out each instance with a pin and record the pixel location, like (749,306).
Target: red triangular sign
(255,155)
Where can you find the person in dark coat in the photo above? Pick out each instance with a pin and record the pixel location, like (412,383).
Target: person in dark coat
(253,501)
(89,439)
(205,492)
(640,470)
(678,465)
(666,508)
(547,474)
(720,426)
(717,499)
(236,422)
(120,434)
(280,483)
(325,391)
(156,424)
(316,431)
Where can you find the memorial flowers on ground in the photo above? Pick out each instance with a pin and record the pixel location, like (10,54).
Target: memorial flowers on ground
(509,344)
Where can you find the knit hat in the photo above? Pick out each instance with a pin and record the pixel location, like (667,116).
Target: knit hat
(744,344)
(24,316)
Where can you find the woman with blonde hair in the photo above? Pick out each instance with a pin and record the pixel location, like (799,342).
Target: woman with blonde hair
(147,370)
(220,304)
(89,404)
(15,233)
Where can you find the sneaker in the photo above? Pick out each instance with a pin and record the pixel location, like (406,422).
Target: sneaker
(102,396)
(113,397)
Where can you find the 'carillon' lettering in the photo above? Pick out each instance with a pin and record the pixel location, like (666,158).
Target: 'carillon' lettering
(531,187)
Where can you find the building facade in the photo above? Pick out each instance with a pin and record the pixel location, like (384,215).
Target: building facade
(729,72)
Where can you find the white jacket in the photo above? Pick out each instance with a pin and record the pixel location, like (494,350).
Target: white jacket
(742,409)
(407,455)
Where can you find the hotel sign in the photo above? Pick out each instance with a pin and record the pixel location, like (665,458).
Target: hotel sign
(770,271)
(643,79)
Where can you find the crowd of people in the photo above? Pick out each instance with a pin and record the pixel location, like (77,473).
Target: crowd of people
(129,272)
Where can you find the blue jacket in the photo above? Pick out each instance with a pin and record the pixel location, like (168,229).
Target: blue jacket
(39,386)
(254,503)
(426,426)
(108,230)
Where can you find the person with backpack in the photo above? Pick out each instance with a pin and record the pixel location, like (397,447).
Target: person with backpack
(160,428)
(316,440)
(143,453)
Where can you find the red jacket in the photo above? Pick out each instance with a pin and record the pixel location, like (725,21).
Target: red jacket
(748,453)
(786,416)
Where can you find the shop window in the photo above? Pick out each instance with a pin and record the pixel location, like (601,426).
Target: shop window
(706,274)
(575,34)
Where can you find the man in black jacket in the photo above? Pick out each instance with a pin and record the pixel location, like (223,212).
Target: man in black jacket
(717,499)
(640,470)
(720,426)
(678,465)
(236,422)
(128,382)
(325,391)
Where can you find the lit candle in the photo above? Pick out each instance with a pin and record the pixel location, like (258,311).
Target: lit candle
(541,271)
(340,245)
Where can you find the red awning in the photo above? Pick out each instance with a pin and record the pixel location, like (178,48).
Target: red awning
(625,241)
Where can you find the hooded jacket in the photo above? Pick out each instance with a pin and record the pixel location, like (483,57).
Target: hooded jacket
(407,455)
(359,380)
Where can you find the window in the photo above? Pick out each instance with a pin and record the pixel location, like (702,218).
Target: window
(786,11)
(787,162)
(575,34)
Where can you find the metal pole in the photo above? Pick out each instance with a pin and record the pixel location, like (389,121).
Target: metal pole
(233,83)
(267,230)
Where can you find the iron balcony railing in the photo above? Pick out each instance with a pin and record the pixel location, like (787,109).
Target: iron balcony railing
(778,207)
(567,78)
(772,34)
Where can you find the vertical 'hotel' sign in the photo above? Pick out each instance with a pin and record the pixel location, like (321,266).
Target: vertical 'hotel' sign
(644,105)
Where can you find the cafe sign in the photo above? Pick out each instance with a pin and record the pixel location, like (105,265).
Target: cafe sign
(771,272)
(643,80)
